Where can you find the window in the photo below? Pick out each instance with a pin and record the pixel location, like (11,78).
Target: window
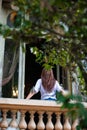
(10,67)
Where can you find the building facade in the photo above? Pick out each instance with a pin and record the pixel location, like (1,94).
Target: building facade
(18,70)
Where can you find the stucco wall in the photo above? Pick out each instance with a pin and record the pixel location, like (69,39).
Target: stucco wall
(3,16)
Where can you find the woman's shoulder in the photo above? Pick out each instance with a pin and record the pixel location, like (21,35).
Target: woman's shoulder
(56,82)
(39,80)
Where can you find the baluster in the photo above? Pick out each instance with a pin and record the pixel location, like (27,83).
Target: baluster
(31,124)
(13,122)
(49,125)
(58,125)
(22,124)
(4,123)
(67,125)
(76,122)
(41,125)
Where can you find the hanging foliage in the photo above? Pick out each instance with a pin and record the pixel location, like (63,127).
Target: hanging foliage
(61,25)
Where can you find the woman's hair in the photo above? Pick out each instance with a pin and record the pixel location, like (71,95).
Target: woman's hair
(48,80)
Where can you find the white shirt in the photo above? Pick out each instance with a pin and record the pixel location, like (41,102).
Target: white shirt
(44,94)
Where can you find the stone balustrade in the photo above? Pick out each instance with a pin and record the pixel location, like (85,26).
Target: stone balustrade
(34,115)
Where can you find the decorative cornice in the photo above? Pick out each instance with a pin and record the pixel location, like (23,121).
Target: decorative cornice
(6,1)
(6,4)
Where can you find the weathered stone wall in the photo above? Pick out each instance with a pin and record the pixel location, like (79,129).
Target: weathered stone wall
(3,18)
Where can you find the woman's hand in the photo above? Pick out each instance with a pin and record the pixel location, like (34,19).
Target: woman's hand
(65,92)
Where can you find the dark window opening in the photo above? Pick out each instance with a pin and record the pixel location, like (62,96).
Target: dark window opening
(32,72)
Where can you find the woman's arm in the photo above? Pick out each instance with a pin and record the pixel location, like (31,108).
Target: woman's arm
(65,92)
(60,89)
(31,93)
(35,89)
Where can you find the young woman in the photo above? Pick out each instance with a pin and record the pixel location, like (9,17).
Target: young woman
(47,85)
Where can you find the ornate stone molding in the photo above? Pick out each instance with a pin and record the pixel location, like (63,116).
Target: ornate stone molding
(6,4)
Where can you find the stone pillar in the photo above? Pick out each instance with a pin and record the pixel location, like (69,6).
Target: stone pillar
(21,77)
(2,42)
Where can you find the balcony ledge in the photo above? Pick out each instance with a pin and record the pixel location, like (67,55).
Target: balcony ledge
(26,104)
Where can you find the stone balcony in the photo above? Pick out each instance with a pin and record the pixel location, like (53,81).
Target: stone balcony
(42,115)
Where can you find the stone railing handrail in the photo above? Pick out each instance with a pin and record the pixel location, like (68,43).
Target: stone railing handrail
(26,104)
(41,107)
